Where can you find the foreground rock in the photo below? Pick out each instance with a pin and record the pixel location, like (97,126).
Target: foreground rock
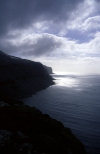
(21,77)
(25,130)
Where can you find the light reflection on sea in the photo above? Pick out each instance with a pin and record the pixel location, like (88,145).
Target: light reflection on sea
(74,100)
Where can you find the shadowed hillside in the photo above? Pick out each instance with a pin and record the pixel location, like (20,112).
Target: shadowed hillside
(21,77)
(25,130)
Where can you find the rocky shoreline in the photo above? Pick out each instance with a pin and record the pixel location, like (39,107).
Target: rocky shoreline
(25,130)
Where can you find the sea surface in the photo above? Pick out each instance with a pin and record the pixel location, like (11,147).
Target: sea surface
(75,101)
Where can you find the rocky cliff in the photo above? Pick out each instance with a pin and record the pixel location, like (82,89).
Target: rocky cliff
(21,77)
(49,69)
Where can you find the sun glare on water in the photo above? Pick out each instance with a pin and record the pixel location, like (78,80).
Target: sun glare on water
(64,80)
(67,82)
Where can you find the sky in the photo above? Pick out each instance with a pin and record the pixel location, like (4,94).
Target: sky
(63,34)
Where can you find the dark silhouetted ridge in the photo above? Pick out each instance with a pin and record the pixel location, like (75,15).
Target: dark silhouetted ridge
(21,77)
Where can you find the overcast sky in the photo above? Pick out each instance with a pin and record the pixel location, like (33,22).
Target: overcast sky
(64,34)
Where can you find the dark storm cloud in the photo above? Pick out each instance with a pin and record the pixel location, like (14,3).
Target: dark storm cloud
(43,44)
(16,14)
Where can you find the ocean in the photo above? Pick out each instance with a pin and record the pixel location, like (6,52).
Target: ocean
(75,101)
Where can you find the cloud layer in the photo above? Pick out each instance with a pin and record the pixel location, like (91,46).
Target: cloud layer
(15,14)
(51,30)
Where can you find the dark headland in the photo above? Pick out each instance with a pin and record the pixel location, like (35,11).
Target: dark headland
(24,129)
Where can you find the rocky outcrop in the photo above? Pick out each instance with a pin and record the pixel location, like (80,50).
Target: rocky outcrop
(25,130)
(21,77)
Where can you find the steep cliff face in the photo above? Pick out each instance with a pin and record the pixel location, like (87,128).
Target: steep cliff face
(49,69)
(21,77)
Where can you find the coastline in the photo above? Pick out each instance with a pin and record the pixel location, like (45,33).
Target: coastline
(43,133)
(25,129)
